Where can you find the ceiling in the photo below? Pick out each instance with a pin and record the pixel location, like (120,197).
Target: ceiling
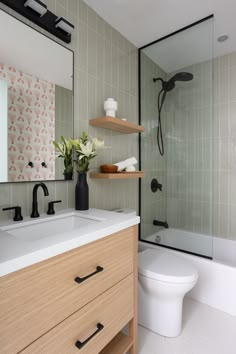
(184,49)
(143,21)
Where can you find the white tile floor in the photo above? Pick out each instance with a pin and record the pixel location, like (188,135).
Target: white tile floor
(205,331)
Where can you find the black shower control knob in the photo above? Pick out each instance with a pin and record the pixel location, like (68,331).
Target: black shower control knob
(43,164)
(155,185)
(31,164)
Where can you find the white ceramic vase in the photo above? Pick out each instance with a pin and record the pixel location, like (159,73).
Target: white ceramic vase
(110,107)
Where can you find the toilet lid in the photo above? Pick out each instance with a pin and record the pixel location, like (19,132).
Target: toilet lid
(166,267)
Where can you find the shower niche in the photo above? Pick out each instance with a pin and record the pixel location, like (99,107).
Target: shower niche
(176,148)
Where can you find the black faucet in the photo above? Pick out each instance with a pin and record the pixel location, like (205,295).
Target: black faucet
(35,213)
(18,216)
(161,223)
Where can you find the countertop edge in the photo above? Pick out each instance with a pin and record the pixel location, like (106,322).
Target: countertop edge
(43,254)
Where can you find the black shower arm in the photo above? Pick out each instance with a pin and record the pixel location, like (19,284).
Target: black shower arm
(158,79)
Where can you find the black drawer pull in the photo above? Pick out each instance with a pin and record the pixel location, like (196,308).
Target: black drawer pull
(80,345)
(80,280)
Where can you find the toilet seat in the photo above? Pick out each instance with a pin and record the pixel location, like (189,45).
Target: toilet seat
(166,267)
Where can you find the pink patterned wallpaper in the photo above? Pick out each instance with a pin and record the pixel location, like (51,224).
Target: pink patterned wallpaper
(31,125)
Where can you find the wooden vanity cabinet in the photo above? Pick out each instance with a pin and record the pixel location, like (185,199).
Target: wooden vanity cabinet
(55,306)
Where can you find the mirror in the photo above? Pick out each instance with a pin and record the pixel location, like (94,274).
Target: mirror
(36,102)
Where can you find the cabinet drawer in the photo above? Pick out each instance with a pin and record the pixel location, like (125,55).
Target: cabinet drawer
(111,310)
(37,298)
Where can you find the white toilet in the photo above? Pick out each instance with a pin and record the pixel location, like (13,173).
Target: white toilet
(164,279)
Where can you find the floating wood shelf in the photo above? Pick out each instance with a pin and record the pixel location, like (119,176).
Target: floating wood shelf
(118,175)
(116,124)
(120,344)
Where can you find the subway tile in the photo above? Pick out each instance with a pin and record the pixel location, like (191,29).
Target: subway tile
(232,153)
(232,222)
(224,187)
(100,57)
(61,11)
(224,154)
(92,18)
(52,5)
(92,52)
(232,59)
(107,53)
(232,84)
(224,226)
(20,197)
(83,11)
(83,46)
(224,120)
(232,189)
(83,94)
(92,88)
(107,31)
(224,62)
(73,7)
(6,200)
(224,86)
(100,24)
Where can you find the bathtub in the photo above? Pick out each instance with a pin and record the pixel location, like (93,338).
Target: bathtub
(221,250)
(216,286)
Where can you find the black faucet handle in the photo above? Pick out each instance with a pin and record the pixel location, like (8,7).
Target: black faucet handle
(18,216)
(51,210)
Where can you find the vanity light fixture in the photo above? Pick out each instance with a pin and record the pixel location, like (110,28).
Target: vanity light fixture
(64,25)
(37,5)
(37,12)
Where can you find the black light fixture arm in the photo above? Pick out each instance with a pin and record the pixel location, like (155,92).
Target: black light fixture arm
(47,21)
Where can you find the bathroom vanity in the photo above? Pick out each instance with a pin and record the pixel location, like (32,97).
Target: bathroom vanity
(75,300)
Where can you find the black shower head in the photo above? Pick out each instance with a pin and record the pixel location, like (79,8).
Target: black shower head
(182,76)
(170,84)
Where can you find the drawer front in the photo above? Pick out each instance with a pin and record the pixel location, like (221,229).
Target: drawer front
(100,320)
(37,298)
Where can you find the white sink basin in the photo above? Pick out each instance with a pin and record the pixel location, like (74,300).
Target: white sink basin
(50,226)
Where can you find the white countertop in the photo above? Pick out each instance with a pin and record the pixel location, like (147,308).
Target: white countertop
(17,253)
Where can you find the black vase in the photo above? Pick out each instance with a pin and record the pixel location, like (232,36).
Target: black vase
(82,192)
(68,176)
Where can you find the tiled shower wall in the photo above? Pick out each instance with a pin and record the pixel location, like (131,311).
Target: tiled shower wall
(224,145)
(153,205)
(105,66)
(199,173)
(201,160)
(189,151)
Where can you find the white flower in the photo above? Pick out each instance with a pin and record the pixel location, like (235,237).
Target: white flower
(98,144)
(86,149)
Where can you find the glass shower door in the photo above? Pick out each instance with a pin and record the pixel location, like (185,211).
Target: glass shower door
(176,109)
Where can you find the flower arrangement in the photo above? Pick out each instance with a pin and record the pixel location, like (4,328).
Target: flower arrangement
(85,151)
(65,150)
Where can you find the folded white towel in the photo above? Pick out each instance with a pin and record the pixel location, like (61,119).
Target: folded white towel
(130,168)
(123,164)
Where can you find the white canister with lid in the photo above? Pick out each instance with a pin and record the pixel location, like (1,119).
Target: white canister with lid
(110,107)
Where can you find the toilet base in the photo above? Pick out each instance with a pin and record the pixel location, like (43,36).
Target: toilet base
(160,306)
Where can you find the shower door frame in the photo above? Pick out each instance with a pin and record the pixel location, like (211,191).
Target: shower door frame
(139,113)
